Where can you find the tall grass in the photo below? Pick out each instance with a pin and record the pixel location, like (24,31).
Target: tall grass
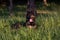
(48,27)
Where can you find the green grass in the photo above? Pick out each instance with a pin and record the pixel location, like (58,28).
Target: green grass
(48,25)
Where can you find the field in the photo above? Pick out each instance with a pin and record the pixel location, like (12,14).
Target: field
(48,24)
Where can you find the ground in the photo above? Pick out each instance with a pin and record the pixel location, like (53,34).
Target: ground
(48,24)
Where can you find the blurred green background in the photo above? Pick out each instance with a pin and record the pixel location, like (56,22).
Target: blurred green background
(48,22)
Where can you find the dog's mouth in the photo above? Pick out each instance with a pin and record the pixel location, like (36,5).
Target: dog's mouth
(30,20)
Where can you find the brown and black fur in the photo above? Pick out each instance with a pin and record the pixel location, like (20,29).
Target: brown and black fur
(16,25)
(31,11)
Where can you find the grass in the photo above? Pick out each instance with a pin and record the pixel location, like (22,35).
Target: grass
(48,25)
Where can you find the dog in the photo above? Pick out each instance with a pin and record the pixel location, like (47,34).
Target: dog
(31,22)
(16,25)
